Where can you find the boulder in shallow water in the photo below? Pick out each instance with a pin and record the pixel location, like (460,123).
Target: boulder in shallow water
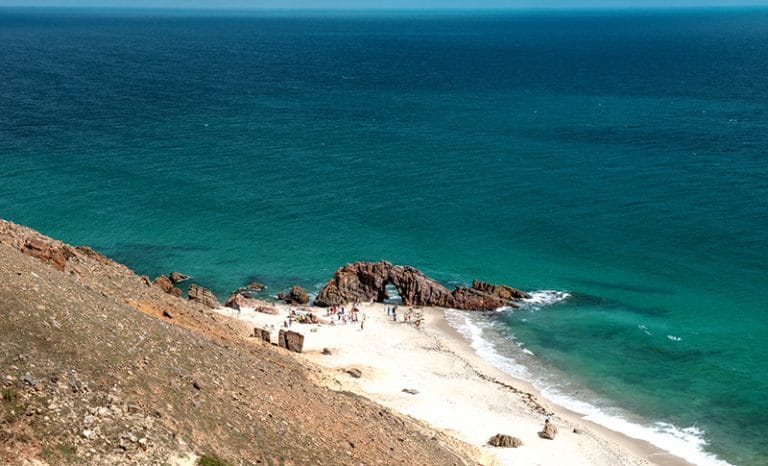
(177,277)
(506,441)
(296,295)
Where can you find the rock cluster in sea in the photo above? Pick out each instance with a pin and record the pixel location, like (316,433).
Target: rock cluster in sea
(366,281)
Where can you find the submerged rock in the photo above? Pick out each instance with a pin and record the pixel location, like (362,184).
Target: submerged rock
(366,281)
(177,277)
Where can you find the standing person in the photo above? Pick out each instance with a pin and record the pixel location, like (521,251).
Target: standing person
(362,322)
(394,314)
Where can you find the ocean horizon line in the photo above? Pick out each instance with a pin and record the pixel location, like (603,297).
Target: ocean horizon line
(376,10)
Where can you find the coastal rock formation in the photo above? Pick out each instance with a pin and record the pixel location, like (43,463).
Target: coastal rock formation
(507,441)
(56,255)
(296,295)
(164,283)
(502,291)
(550,430)
(290,340)
(202,295)
(365,281)
(239,302)
(177,277)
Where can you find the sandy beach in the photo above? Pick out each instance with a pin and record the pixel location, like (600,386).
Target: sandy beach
(451,387)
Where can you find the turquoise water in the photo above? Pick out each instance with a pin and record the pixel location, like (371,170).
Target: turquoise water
(618,157)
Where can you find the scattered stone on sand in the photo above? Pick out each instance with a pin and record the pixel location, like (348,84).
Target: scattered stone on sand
(296,295)
(197,385)
(327,352)
(411,391)
(578,430)
(550,430)
(356,373)
(202,295)
(506,441)
(290,340)
(263,334)
(167,313)
(366,281)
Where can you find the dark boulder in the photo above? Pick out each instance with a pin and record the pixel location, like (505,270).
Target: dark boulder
(290,340)
(296,295)
(177,277)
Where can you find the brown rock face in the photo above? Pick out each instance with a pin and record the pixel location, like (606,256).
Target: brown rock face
(202,295)
(56,255)
(296,295)
(239,301)
(502,291)
(164,283)
(502,440)
(290,340)
(365,281)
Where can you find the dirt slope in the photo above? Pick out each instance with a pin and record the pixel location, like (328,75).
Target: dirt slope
(91,373)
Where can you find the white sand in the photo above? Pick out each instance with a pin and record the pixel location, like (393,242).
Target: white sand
(459,393)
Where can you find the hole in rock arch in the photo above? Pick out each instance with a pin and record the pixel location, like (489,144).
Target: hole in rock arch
(393,297)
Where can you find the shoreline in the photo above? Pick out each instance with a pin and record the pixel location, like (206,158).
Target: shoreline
(458,392)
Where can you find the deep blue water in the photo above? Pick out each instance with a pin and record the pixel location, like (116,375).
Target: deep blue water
(619,156)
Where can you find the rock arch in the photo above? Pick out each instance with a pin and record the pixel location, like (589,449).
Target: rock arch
(366,281)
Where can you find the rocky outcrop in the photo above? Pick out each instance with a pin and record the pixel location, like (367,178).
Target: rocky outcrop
(502,291)
(296,295)
(503,440)
(365,281)
(239,302)
(54,254)
(177,277)
(290,340)
(202,295)
(164,283)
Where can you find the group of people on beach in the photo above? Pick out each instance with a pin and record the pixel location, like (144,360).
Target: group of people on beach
(344,317)
(301,316)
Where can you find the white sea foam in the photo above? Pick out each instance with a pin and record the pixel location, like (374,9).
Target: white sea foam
(687,443)
(543,298)
(473,332)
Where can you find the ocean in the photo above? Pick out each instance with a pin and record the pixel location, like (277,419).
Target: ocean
(615,163)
